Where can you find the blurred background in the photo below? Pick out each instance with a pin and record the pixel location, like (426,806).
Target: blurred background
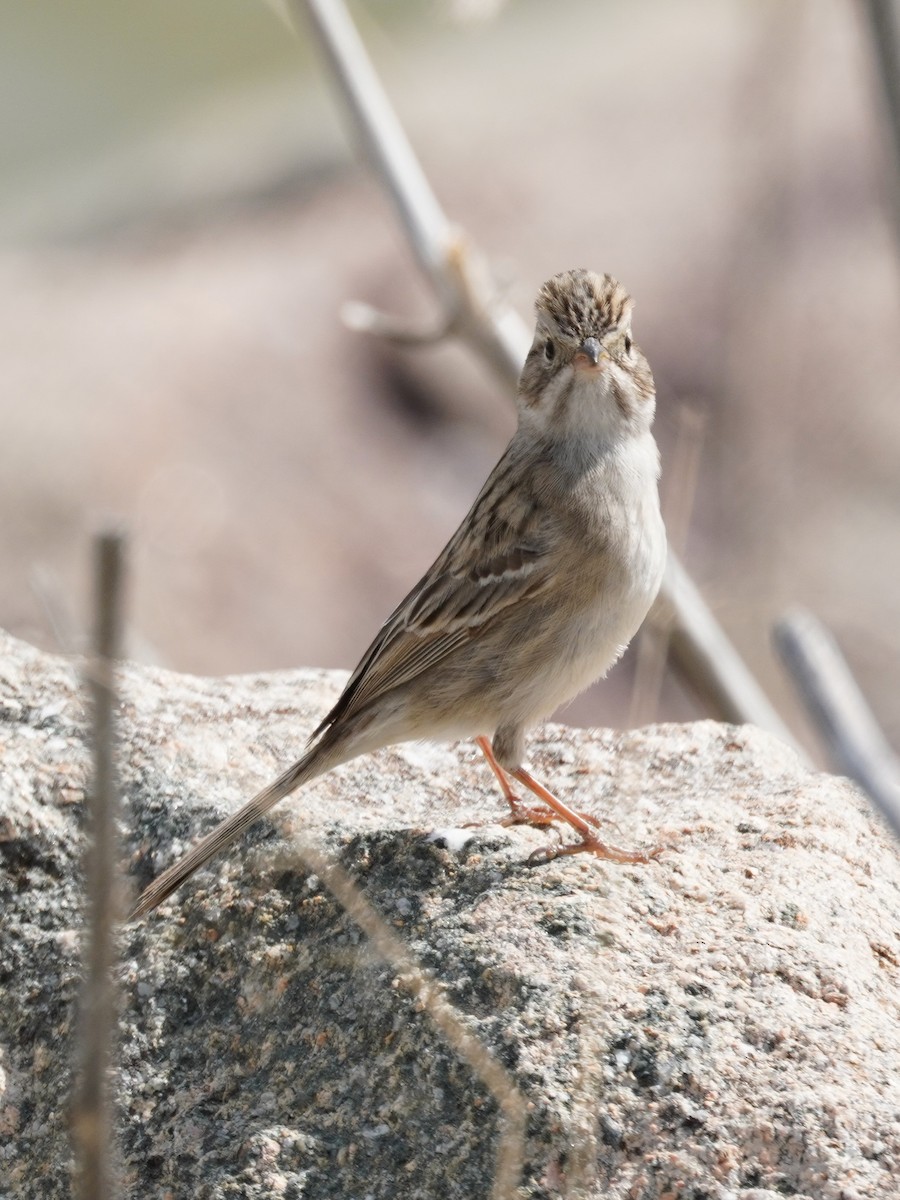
(183,215)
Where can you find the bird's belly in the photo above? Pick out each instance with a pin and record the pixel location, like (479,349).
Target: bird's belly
(587,651)
(585,644)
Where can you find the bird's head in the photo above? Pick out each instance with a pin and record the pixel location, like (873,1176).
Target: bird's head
(584,373)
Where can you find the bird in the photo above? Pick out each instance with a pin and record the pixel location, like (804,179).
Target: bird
(536,594)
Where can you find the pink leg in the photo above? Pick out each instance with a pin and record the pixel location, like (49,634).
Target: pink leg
(589,842)
(519,813)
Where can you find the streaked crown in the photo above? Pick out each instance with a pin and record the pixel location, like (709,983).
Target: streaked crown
(582,304)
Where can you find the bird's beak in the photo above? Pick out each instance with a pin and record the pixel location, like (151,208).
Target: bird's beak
(588,354)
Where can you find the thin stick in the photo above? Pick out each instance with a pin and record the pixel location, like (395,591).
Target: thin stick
(837,706)
(884,28)
(91,1119)
(477,313)
(484,1066)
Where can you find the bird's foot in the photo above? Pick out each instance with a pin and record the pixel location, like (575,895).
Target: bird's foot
(592,845)
(537,815)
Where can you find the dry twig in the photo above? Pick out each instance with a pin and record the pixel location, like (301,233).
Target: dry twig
(884,26)
(91,1117)
(839,710)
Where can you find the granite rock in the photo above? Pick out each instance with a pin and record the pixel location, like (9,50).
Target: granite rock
(720,1024)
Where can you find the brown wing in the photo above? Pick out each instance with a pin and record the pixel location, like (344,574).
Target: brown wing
(500,555)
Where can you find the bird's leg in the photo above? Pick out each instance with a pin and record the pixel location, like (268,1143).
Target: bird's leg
(589,842)
(519,813)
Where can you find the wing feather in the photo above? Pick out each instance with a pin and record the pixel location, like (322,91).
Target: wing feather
(501,554)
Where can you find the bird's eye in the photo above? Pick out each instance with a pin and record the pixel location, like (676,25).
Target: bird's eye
(627,343)
(549,349)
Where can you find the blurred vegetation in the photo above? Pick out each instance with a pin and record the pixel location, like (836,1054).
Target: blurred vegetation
(80,79)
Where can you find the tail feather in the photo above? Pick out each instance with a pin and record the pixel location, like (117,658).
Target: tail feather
(314,763)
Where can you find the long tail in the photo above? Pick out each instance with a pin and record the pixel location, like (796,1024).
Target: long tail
(313,763)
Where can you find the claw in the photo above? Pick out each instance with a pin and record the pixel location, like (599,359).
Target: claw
(592,845)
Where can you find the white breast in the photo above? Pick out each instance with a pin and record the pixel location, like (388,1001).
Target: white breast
(629,520)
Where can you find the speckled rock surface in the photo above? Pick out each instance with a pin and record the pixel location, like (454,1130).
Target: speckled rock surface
(719,1025)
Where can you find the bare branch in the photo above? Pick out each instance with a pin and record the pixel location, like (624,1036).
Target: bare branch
(91,1118)
(479,314)
(884,27)
(839,710)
